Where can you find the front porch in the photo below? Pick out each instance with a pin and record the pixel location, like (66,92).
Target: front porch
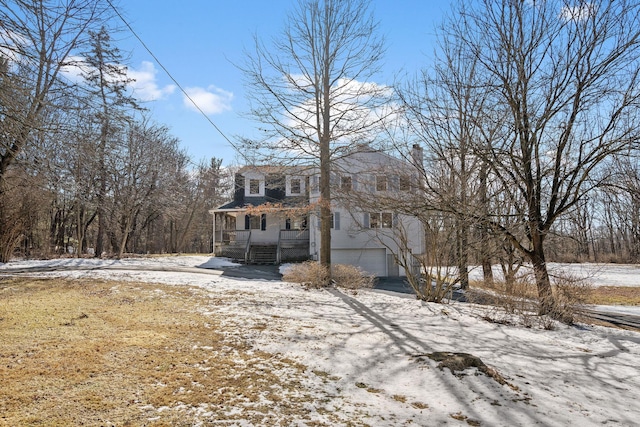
(250,247)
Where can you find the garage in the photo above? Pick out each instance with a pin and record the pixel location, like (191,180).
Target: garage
(373,261)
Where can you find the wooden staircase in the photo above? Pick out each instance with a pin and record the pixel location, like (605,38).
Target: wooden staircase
(263,254)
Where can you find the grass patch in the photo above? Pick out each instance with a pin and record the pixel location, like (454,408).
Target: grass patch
(597,295)
(614,295)
(80,352)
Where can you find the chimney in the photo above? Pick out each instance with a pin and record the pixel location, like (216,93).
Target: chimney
(417,157)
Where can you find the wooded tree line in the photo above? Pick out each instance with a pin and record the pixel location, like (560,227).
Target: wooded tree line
(530,121)
(83,170)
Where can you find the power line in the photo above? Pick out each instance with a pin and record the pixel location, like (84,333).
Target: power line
(169,74)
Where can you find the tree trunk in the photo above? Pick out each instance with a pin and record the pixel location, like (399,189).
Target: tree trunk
(463,252)
(543,282)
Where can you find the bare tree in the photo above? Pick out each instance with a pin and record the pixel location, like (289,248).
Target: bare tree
(311,90)
(564,81)
(37,39)
(106,81)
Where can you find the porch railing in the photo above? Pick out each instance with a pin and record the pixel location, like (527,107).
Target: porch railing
(293,245)
(234,244)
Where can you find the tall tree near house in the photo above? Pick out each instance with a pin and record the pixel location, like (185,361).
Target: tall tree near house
(107,84)
(37,37)
(566,76)
(312,90)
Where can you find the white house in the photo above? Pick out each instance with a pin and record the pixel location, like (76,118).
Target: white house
(273,217)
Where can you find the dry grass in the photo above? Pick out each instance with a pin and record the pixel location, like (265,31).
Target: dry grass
(121,353)
(614,295)
(600,295)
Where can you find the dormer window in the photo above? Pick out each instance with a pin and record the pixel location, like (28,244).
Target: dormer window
(296,186)
(254,187)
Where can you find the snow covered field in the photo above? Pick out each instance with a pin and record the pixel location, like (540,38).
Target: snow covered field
(596,274)
(373,346)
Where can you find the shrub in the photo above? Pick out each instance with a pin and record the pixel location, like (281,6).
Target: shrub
(311,274)
(351,277)
(571,293)
(519,300)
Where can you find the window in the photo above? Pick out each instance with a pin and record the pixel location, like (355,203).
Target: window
(345,183)
(387,219)
(255,222)
(380,220)
(381,183)
(254,186)
(374,220)
(296,186)
(335,221)
(405,183)
(299,223)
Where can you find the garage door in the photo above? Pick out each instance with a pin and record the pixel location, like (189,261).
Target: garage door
(373,261)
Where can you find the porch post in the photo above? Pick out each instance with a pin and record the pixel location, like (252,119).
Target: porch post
(214,234)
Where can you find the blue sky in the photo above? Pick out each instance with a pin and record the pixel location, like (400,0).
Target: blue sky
(199,41)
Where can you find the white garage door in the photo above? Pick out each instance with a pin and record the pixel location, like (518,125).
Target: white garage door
(373,261)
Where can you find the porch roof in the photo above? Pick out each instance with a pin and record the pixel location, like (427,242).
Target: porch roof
(239,205)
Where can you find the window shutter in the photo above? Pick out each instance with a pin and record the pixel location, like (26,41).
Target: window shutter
(263,222)
(247,222)
(395,220)
(336,220)
(365,220)
(287,225)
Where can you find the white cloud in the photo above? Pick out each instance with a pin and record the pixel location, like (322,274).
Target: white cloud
(210,100)
(145,86)
(578,13)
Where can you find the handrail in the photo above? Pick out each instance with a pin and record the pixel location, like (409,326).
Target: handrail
(246,249)
(278,257)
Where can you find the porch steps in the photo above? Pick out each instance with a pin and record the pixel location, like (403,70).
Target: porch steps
(263,254)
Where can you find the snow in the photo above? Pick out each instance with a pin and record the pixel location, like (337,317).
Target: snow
(596,274)
(373,345)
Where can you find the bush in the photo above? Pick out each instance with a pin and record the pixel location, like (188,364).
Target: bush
(351,277)
(311,274)
(517,302)
(570,293)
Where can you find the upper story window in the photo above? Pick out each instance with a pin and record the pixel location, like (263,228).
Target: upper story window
(345,183)
(380,220)
(405,183)
(254,186)
(381,183)
(296,186)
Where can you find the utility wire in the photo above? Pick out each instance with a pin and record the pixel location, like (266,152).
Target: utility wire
(169,74)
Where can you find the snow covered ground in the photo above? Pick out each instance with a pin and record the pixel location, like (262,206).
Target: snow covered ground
(596,274)
(372,349)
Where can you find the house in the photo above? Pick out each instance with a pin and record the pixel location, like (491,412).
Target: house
(273,217)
